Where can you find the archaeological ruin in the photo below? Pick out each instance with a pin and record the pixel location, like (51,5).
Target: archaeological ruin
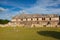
(36,20)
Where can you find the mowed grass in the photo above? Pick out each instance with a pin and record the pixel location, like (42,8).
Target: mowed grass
(20,33)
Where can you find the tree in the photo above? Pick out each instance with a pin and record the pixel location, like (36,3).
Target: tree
(4,21)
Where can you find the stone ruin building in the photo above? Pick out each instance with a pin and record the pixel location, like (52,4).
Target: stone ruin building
(36,20)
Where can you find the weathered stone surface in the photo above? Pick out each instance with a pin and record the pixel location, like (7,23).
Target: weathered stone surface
(37,20)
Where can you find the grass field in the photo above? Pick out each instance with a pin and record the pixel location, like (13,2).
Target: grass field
(20,33)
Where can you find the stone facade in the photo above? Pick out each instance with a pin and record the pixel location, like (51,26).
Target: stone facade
(36,19)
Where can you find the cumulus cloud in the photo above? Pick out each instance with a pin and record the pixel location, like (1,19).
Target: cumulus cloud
(42,6)
(6,13)
(3,9)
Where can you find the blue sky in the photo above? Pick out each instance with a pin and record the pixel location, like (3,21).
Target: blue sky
(10,8)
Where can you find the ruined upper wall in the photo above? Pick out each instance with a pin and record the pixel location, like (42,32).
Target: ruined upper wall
(21,16)
(36,17)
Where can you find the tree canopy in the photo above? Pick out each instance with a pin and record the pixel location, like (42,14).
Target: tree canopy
(4,21)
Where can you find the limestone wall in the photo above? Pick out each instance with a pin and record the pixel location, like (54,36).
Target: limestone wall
(18,19)
(55,19)
(39,19)
(34,19)
(24,20)
(47,19)
(29,19)
(13,20)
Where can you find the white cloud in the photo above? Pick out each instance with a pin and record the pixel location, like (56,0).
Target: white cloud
(41,7)
(6,13)
(3,9)
(44,3)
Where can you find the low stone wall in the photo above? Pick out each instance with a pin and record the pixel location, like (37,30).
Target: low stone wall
(33,25)
(37,25)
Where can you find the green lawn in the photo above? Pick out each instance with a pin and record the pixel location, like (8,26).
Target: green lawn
(20,33)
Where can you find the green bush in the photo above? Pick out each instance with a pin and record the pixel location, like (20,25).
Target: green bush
(3,21)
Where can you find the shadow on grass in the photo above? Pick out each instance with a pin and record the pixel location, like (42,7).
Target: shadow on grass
(53,34)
